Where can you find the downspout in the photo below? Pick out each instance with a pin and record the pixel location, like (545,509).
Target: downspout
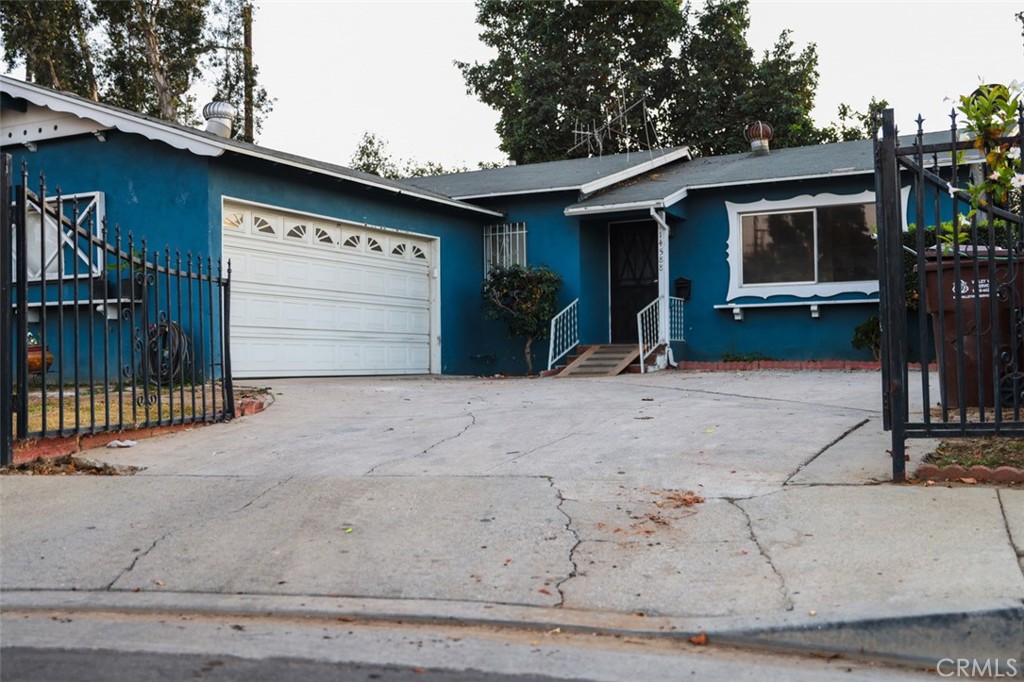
(663,291)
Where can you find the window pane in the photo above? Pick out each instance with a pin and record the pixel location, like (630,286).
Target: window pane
(846,251)
(778,247)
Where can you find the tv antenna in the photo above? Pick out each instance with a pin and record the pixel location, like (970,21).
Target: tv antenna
(617,128)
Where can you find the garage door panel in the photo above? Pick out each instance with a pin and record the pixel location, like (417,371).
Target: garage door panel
(335,307)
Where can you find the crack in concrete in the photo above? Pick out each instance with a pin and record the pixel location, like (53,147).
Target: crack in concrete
(530,452)
(819,453)
(787,599)
(265,492)
(572,550)
(472,421)
(759,398)
(1018,548)
(135,560)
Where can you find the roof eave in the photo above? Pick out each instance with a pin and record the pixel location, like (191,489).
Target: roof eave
(198,143)
(633,171)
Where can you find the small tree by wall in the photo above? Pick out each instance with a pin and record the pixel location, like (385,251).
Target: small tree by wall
(525,299)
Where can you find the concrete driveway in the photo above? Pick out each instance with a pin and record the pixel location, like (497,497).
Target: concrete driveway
(753,505)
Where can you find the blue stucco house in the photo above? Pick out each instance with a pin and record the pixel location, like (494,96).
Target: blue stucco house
(337,272)
(773,252)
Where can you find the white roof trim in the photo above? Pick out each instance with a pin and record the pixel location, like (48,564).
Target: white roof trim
(633,171)
(491,195)
(200,143)
(613,208)
(110,118)
(593,185)
(628,206)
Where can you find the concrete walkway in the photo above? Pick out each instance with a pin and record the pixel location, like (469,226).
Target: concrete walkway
(568,503)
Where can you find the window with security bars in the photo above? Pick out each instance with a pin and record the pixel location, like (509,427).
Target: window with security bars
(504,246)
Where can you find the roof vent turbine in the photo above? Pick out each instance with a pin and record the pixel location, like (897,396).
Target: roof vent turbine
(219,117)
(758,134)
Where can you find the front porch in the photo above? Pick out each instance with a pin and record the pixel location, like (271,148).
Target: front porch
(635,328)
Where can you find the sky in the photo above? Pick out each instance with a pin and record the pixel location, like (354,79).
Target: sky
(339,68)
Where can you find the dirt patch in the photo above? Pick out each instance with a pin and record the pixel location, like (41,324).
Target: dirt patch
(68,465)
(990,452)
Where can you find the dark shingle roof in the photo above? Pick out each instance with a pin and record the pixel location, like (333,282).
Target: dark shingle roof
(793,163)
(571,174)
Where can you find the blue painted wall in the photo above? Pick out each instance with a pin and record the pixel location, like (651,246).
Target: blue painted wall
(150,189)
(698,251)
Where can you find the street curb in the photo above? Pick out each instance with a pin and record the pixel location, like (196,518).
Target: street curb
(992,634)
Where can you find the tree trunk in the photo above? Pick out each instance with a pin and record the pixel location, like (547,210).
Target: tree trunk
(529,360)
(248,75)
(156,65)
(81,35)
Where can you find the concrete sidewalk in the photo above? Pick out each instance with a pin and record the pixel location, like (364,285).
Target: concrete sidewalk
(568,503)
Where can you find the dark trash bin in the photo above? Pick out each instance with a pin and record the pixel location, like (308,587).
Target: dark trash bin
(980,279)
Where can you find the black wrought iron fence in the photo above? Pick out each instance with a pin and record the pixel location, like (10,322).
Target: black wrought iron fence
(958,274)
(99,332)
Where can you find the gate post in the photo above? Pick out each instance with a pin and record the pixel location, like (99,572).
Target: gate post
(6,354)
(892,294)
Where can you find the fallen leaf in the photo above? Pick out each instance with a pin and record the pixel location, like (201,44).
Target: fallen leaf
(544,590)
(158,582)
(700,639)
(812,612)
(969,481)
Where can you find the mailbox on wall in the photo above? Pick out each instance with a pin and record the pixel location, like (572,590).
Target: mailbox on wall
(682,288)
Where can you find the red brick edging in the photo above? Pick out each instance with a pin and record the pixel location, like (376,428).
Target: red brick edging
(48,448)
(846,365)
(980,473)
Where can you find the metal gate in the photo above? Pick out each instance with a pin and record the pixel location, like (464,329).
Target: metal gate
(100,335)
(951,286)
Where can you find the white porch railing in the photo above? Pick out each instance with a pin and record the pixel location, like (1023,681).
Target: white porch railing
(676,330)
(648,331)
(565,333)
(652,335)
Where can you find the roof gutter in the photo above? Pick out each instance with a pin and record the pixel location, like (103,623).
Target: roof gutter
(650,205)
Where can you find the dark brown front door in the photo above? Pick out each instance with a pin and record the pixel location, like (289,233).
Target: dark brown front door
(633,249)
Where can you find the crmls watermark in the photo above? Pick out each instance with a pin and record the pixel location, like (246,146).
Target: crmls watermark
(989,668)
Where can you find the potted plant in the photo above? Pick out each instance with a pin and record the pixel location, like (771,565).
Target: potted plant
(961,276)
(125,283)
(39,358)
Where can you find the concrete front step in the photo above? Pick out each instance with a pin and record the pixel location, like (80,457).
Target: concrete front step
(600,360)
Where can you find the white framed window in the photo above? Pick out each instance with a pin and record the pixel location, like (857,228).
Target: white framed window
(62,245)
(820,245)
(504,246)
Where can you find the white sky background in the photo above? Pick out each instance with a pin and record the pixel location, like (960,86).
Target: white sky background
(338,68)
(342,67)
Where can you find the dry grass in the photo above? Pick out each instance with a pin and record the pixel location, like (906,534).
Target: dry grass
(115,410)
(990,452)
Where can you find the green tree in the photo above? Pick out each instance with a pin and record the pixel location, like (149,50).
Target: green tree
(720,86)
(372,156)
(636,74)
(565,66)
(854,125)
(143,55)
(51,39)
(525,300)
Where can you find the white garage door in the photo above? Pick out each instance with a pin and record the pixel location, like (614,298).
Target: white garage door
(311,297)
